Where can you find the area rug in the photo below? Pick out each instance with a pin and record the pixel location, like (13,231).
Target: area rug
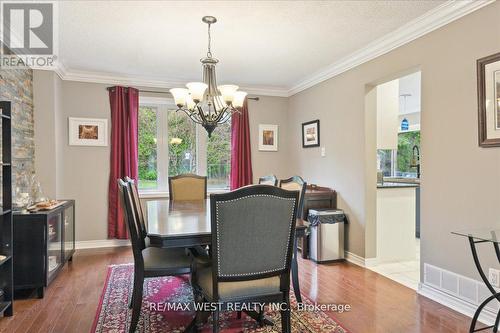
(113,314)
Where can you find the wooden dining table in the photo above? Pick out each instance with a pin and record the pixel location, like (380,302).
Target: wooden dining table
(173,224)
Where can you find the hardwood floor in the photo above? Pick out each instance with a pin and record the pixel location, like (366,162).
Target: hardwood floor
(378,304)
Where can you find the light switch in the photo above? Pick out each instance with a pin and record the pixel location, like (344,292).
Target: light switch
(323,151)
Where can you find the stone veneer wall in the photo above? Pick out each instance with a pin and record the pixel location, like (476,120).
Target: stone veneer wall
(16,85)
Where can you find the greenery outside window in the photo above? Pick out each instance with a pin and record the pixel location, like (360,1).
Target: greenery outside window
(399,162)
(171,144)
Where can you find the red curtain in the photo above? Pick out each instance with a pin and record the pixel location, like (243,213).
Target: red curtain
(241,159)
(124,155)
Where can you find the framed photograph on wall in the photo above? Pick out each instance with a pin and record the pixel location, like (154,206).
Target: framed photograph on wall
(488,88)
(88,131)
(268,137)
(310,134)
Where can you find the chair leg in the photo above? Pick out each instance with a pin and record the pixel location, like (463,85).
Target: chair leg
(215,321)
(286,325)
(261,318)
(134,291)
(137,303)
(239,315)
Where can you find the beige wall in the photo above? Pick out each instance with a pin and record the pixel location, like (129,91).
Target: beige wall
(460,181)
(81,173)
(273,111)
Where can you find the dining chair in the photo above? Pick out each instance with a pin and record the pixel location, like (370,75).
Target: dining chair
(134,193)
(252,232)
(148,261)
(268,180)
(296,183)
(187,187)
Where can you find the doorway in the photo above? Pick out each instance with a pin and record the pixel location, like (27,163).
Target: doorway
(398,180)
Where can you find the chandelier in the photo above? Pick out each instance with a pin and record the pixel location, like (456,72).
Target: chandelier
(204,102)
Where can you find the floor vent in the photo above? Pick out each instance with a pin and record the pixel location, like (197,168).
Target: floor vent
(465,294)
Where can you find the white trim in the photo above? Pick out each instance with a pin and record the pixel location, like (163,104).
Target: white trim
(371,262)
(354,259)
(487,316)
(428,22)
(360,261)
(100,243)
(68,74)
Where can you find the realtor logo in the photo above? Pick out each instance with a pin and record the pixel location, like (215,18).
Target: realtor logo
(27,34)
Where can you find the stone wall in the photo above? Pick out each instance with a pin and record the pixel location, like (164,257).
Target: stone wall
(16,85)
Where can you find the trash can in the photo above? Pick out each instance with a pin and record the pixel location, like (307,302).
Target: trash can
(326,234)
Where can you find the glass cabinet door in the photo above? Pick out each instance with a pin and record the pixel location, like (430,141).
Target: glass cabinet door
(54,244)
(69,224)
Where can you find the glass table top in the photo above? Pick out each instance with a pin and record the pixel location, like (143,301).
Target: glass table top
(482,234)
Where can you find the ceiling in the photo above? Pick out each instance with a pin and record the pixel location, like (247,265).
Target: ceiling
(273,44)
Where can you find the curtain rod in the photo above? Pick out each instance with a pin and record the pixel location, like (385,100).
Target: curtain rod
(167,93)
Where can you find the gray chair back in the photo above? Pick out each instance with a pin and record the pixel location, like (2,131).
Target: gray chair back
(252,232)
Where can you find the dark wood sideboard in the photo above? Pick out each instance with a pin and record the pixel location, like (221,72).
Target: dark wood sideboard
(43,242)
(316,197)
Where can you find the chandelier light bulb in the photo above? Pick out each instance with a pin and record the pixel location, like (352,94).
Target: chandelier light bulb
(197,90)
(180,96)
(227,91)
(190,104)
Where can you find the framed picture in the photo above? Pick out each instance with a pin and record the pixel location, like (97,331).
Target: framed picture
(268,137)
(310,134)
(88,132)
(488,89)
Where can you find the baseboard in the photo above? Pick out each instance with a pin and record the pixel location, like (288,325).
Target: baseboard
(371,262)
(360,261)
(354,259)
(487,316)
(100,243)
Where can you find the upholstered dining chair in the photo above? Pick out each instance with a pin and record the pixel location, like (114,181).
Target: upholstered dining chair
(134,193)
(252,232)
(148,261)
(296,183)
(187,187)
(268,180)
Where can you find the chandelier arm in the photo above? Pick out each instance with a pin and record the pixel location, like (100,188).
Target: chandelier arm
(189,114)
(225,118)
(201,114)
(220,115)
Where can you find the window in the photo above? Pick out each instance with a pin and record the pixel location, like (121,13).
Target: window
(148,176)
(400,162)
(170,143)
(219,157)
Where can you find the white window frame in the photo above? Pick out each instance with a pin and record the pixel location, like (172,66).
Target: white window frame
(163,104)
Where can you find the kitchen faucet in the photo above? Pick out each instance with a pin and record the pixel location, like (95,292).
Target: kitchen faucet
(415,160)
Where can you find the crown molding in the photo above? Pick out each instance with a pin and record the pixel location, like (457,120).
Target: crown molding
(430,21)
(68,74)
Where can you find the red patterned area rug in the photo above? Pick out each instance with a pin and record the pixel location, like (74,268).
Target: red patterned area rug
(113,314)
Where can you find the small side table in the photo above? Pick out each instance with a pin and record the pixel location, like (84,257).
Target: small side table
(477,236)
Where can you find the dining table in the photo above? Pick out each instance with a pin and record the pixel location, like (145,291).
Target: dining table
(186,224)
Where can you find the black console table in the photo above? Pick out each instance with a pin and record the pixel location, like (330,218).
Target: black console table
(43,242)
(478,236)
